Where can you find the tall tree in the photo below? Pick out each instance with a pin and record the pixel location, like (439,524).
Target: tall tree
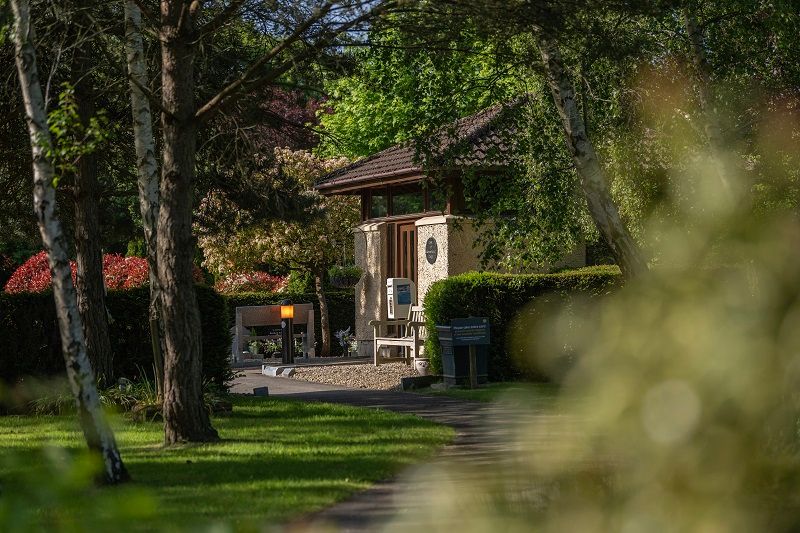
(304,32)
(98,434)
(147,173)
(89,253)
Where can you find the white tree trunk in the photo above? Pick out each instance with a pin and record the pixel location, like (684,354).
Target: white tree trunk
(147,169)
(98,434)
(593,179)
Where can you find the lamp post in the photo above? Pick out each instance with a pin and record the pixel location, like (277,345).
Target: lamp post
(287,338)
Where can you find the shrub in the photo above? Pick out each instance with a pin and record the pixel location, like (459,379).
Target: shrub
(124,272)
(33,275)
(341,306)
(501,298)
(119,272)
(251,282)
(344,276)
(32,346)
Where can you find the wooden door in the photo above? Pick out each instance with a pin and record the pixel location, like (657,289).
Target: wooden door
(406,256)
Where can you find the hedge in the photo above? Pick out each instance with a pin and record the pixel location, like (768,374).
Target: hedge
(341,308)
(501,297)
(31,345)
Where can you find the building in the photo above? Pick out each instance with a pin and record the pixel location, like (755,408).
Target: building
(410,228)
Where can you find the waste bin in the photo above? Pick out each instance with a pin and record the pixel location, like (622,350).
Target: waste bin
(455,341)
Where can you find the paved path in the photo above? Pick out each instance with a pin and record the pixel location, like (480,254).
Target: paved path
(483,444)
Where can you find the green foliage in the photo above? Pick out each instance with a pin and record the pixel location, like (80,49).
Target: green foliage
(341,308)
(300,282)
(136,248)
(402,89)
(72,139)
(505,299)
(344,276)
(33,345)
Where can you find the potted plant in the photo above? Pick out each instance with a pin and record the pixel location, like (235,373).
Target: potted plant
(344,277)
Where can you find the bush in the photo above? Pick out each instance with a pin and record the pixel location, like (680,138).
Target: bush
(32,346)
(501,297)
(341,306)
(119,272)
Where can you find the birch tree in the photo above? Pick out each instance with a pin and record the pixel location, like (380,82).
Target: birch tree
(601,205)
(147,171)
(98,434)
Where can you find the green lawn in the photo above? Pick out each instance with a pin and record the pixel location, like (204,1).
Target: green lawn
(278,459)
(507,391)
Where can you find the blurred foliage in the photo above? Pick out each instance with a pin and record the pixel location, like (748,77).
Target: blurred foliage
(57,494)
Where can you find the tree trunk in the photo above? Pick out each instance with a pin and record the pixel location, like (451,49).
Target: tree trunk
(324,316)
(705,95)
(90,283)
(147,170)
(185,417)
(98,434)
(595,185)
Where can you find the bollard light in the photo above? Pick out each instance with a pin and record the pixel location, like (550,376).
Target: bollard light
(287,332)
(287,309)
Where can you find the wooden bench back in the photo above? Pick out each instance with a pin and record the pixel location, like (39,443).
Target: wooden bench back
(417,314)
(270,315)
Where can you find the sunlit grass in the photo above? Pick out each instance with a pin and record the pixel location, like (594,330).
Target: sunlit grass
(278,459)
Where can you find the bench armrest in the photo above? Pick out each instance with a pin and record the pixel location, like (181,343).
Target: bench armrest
(388,322)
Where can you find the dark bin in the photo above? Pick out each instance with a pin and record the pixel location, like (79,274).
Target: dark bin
(455,341)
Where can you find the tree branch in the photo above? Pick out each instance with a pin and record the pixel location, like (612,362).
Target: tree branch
(154,101)
(221,19)
(209,108)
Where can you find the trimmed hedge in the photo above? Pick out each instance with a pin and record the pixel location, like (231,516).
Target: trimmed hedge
(341,308)
(501,297)
(31,345)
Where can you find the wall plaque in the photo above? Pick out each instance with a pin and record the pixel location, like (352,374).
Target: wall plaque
(431,250)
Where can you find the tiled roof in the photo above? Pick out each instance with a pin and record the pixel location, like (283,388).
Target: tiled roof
(476,140)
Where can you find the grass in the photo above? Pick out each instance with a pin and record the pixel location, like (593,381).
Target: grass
(278,459)
(493,392)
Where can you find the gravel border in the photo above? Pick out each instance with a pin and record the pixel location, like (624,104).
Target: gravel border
(357,376)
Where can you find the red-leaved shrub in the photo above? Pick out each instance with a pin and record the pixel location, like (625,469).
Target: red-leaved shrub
(33,275)
(120,272)
(251,281)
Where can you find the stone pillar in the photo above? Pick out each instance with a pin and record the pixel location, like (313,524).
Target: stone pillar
(445,247)
(370,255)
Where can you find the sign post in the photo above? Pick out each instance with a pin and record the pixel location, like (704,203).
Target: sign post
(464,332)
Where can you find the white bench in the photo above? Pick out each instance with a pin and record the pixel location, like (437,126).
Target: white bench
(411,335)
(270,315)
